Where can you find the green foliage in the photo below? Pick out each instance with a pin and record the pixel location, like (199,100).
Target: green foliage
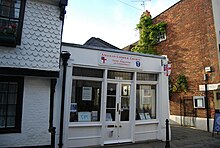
(148,34)
(181,84)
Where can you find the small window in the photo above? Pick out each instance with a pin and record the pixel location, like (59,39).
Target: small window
(120,75)
(11,21)
(11,96)
(199,101)
(146,77)
(87,72)
(161,37)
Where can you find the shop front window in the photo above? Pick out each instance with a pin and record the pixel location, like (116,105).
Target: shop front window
(145,102)
(86,95)
(85,101)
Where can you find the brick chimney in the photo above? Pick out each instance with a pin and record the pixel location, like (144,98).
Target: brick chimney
(148,13)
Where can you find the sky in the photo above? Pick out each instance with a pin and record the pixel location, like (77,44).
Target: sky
(113,21)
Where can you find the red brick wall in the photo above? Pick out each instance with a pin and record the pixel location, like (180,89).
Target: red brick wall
(190,46)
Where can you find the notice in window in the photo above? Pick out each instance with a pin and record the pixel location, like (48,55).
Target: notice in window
(73,107)
(199,102)
(87,93)
(84,116)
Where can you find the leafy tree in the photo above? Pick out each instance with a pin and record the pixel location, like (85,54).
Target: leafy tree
(181,84)
(148,34)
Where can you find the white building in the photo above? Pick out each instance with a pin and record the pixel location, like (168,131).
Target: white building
(111,96)
(30,38)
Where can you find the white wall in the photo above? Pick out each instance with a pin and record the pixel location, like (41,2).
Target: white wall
(91,57)
(199,123)
(35,115)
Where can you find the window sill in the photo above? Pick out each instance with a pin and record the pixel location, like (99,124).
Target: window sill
(88,124)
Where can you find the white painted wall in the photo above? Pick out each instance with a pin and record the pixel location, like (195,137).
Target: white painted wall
(35,115)
(199,123)
(91,57)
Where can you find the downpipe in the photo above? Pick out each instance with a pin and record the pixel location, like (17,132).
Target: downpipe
(65,57)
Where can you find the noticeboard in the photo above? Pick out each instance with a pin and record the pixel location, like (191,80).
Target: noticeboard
(216,125)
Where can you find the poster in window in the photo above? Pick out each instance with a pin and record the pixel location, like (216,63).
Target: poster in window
(146,100)
(142,117)
(108,117)
(73,107)
(147,115)
(87,93)
(94,115)
(84,116)
(199,102)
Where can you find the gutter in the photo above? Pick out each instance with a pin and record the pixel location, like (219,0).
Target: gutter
(65,56)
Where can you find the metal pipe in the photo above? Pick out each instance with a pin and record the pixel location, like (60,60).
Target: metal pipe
(207,101)
(52,129)
(65,56)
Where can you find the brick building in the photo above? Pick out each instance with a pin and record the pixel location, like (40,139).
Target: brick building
(192,43)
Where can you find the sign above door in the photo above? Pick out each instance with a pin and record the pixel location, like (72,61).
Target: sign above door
(119,60)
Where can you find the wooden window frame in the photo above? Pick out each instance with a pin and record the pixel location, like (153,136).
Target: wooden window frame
(19,27)
(18,116)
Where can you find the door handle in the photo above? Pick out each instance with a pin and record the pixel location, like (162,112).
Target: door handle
(117,107)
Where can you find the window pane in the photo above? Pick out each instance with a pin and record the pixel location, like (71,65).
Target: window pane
(111,89)
(125,105)
(146,102)
(2,110)
(11,110)
(2,121)
(11,121)
(87,72)
(146,77)
(85,101)
(13,87)
(10,8)
(12,98)
(119,75)
(111,101)
(3,86)
(3,97)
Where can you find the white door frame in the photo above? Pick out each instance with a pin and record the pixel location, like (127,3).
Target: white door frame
(115,131)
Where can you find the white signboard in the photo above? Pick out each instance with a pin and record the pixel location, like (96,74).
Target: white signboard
(209,87)
(119,60)
(87,93)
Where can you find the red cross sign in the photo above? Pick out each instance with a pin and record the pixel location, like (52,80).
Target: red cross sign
(167,69)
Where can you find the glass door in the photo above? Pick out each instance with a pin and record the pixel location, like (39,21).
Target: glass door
(117,113)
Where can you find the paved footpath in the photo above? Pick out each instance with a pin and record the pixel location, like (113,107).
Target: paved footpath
(181,137)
